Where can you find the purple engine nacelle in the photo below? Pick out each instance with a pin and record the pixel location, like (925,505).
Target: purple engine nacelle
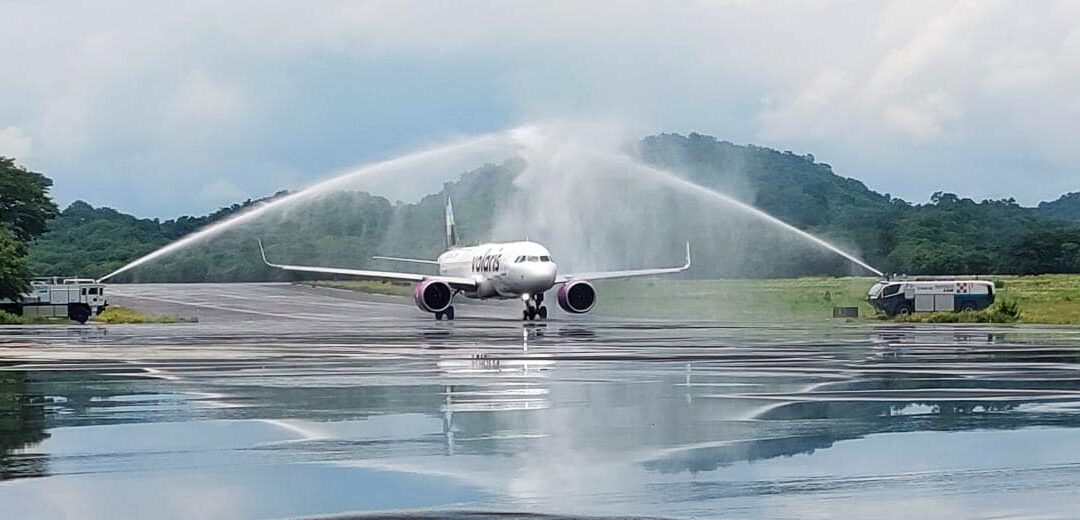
(433,295)
(577,297)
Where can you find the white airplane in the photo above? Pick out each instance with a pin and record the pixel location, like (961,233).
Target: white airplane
(503,270)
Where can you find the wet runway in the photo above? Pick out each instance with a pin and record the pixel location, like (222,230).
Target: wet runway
(290,401)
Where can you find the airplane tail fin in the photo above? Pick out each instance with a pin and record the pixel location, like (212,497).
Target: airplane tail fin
(451,233)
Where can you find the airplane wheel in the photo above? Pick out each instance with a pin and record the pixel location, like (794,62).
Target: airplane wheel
(543,313)
(525,315)
(450,312)
(438,316)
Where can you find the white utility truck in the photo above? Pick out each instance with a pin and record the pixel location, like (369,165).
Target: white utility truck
(55,297)
(901,297)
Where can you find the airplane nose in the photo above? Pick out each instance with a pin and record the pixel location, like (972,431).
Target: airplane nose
(536,277)
(546,273)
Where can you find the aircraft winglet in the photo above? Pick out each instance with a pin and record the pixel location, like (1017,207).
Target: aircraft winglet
(263,252)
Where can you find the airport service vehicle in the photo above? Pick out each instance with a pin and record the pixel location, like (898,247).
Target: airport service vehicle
(902,297)
(507,270)
(56,297)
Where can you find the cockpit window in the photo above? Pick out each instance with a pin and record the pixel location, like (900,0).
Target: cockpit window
(519,260)
(545,258)
(534,259)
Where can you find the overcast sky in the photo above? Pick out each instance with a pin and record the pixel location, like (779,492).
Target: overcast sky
(166,109)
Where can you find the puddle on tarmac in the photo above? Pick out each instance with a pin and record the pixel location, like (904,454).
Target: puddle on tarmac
(604,418)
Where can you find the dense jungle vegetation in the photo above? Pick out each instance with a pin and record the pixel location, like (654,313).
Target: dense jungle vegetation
(947,235)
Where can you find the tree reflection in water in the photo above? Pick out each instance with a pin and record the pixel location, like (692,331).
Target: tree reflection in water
(22,424)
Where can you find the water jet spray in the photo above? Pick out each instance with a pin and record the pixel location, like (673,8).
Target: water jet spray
(538,144)
(486,144)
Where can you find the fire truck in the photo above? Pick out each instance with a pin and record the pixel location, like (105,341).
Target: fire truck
(74,298)
(901,297)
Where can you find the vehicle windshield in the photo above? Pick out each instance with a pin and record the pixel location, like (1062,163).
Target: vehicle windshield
(875,290)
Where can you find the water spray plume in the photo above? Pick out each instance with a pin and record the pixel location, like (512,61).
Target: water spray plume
(565,158)
(535,143)
(688,186)
(338,182)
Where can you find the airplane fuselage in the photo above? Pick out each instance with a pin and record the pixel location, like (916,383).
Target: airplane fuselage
(502,270)
(522,270)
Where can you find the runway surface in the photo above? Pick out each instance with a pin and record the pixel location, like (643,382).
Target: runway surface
(294,401)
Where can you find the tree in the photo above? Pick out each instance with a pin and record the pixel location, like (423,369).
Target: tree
(1046,251)
(949,235)
(1066,208)
(25,210)
(14,275)
(25,206)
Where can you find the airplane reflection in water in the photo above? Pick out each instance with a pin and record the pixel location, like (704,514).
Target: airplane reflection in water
(515,393)
(886,391)
(585,411)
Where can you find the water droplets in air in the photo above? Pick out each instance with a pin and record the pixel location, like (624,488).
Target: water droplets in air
(576,188)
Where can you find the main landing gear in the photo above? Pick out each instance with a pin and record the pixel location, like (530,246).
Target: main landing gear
(448,313)
(534,308)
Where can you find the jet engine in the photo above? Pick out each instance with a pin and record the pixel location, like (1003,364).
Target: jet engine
(577,297)
(433,295)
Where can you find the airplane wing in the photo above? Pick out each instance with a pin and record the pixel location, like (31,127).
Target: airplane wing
(455,282)
(609,275)
(409,260)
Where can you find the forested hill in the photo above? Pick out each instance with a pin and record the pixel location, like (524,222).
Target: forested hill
(88,241)
(794,188)
(346,227)
(948,235)
(1066,208)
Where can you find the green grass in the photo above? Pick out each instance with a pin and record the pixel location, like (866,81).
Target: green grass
(1051,299)
(116,315)
(6,318)
(1047,298)
(367,286)
(1003,311)
(795,299)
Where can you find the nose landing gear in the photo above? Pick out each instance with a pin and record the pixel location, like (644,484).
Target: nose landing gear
(534,308)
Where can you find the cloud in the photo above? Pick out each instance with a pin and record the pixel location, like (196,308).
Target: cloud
(15,143)
(132,99)
(908,92)
(221,191)
(200,99)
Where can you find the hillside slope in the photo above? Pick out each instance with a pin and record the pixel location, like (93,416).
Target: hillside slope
(949,234)
(1065,208)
